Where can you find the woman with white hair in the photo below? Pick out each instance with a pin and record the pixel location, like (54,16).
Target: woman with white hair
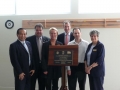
(94,62)
(52,73)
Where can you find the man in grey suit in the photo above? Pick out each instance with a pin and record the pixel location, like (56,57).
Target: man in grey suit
(22,61)
(36,41)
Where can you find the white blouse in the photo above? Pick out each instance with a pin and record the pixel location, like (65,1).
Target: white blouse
(89,55)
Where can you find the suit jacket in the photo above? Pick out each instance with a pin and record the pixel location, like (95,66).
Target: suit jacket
(61,37)
(97,55)
(53,71)
(20,58)
(32,40)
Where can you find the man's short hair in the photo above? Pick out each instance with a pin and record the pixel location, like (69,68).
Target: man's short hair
(39,25)
(66,22)
(76,28)
(19,30)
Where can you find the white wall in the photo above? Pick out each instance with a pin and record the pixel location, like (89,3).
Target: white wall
(109,37)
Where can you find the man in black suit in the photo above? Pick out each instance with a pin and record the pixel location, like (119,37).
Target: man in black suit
(36,41)
(22,61)
(66,37)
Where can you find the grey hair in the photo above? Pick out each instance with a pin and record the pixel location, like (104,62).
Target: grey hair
(39,25)
(94,31)
(53,28)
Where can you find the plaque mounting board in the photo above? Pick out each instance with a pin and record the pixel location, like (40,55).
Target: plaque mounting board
(63,55)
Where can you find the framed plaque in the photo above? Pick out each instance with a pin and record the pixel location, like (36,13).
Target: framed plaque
(63,55)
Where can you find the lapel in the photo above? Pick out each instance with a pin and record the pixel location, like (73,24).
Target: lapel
(71,36)
(63,36)
(43,39)
(35,46)
(91,45)
(97,45)
(35,42)
(29,48)
(20,44)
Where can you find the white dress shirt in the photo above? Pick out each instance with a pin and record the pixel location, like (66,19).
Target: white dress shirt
(82,47)
(89,55)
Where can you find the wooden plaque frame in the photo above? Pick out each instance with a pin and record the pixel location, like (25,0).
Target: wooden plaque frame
(74,49)
(52,49)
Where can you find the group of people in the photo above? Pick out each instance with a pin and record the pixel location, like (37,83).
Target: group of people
(29,58)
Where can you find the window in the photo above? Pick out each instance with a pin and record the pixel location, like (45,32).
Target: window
(34,7)
(98,6)
(7,7)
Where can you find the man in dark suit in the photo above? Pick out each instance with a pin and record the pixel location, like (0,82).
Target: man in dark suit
(22,61)
(66,37)
(36,41)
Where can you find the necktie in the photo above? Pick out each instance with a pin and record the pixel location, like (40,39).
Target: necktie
(24,44)
(39,47)
(66,39)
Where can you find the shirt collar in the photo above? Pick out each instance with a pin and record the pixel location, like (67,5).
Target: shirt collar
(39,37)
(76,42)
(22,41)
(68,33)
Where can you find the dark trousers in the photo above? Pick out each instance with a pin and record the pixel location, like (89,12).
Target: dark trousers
(41,80)
(22,84)
(52,84)
(96,83)
(77,72)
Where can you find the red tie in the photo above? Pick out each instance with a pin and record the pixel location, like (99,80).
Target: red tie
(66,39)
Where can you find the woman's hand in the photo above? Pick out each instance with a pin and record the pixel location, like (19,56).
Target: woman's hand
(94,65)
(87,69)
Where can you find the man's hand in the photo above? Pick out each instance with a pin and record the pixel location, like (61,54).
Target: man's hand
(32,72)
(21,76)
(69,72)
(45,72)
